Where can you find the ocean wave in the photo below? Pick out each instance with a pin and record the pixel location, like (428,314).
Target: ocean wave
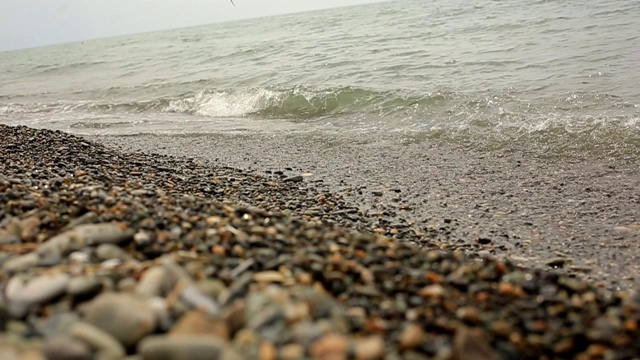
(291,103)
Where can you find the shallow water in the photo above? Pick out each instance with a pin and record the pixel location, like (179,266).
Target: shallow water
(557,76)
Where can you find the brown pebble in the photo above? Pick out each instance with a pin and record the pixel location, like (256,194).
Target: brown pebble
(199,323)
(472,344)
(370,348)
(329,347)
(267,351)
(432,291)
(292,352)
(412,336)
(268,276)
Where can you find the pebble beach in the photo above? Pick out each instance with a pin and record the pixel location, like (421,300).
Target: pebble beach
(106,254)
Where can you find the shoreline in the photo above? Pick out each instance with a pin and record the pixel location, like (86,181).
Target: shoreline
(581,213)
(110,253)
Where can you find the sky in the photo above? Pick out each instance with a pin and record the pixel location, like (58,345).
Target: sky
(32,23)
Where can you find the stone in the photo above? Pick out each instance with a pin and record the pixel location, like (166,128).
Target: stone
(97,339)
(65,348)
(84,287)
(268,276)
(126,317)
(21,296)
(159,347)
(292,352)
(412,336)
(369,348)
(296,178)
(267,351)
(21,263)
(153,282)
(110,251)
(472,344)
(105,233)
(196,299)
(200,323)
(330,346)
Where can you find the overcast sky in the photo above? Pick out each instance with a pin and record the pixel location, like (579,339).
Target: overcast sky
(30,23)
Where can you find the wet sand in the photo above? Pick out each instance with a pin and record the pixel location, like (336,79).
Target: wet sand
(579,214)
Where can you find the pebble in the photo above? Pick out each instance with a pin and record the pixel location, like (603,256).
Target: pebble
(21,295)
(330,346)
(159,347)
(84,287)
(197,322)
(65,348)
(412,336)
(105,233)
(204,261)
(97,339)
(126,317)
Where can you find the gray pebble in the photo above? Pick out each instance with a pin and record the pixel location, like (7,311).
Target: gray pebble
(110,251)
(97,339)
(65,348)
(82,286)
(192,296)
(125,316)
(21,296)
(21,263)
(153,282)
(105,233)
(297,178)
(181,348)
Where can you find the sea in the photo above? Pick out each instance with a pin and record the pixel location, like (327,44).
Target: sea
(561,77)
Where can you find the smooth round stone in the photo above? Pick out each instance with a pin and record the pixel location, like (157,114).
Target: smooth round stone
(127,317)
(22,262)
(109,251)
(83,286)
(370,348)
(65,348)
(181,348)
(330,346)
(97,339)
(105,233)
(21,296)
(153,282)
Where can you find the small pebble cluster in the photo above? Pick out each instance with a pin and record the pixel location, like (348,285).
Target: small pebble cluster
(105,255)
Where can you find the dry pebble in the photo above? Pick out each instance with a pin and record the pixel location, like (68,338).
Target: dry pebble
(139,256)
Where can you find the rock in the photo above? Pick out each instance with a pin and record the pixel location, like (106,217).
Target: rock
(193,297)
(105,233)
(267,351)
(558,262)
(97,339)
(153,282)
(330,346)
(200,323)
(297,178)
(126,317)
(21,263)
(29,228)
(84,287)
(268,276)
(472,344)
(21,296)
(369,348)
(412,336)
(181,348)
(377,193)
(160,308)
(292,352)
(110,251)
(65,348)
